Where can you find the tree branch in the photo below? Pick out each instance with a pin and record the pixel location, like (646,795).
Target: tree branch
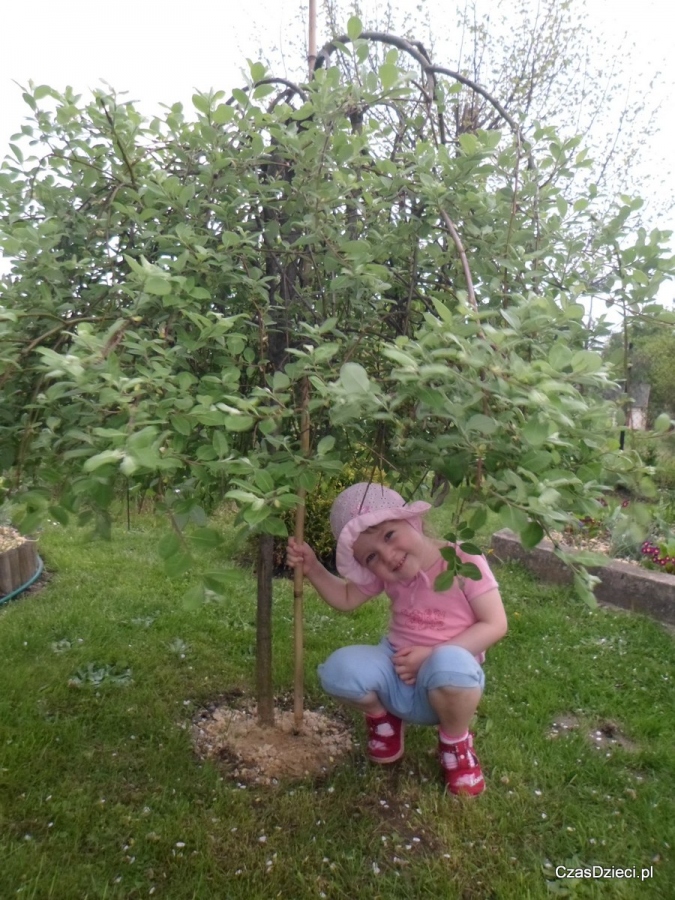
(462,255)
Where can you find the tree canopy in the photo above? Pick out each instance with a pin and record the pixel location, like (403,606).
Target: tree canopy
(185,288)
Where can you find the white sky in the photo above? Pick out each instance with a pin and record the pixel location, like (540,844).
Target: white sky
(161,50)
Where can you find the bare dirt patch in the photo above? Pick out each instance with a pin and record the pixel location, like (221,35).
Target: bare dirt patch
(256,754)
(605,735)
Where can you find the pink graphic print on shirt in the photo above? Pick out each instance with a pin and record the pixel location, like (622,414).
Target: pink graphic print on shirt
(429,619)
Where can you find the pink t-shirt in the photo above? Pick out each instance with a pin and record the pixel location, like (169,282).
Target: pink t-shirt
(421,616)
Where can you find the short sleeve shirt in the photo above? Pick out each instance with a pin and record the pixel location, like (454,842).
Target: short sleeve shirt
(421,616)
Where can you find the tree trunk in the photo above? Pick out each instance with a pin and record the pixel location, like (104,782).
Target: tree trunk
(264,631)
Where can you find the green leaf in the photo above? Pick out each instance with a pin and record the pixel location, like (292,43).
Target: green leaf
(471,549)
(354,378)
(257,70)
(128,466)
(220,444)
(513,518)
(206,538)
(59,514)
(201,103)
(536,461)
(169,545)
(264,481)
(531,535)
(325,445)
(662,423)
(354,28)
(388,75)
(182,424)
(157,285)
(223,114)
(469,570)
(253,516)
(648,488)
(308,481)
(221,581)
(243,497)
(586,361)
(535,432)
(206,453)
(280,382)
(102,459)
(584,591)
(449,554)
(442,311)
(444,581)
(239,423)
(468,143)
(178,564)
(481,423)
(559,356)
(575,311)
(456,468)
(275,526)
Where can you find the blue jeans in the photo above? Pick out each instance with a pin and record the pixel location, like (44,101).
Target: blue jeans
(352,672)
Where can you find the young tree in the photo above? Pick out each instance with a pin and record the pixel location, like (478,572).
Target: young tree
(176,285)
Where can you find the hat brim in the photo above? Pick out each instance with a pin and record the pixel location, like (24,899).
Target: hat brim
(345,562)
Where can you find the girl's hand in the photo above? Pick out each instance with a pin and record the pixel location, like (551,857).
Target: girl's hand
(407,662)
(301,555)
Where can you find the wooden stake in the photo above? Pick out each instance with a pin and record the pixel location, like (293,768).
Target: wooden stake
(311,56)
(298,580)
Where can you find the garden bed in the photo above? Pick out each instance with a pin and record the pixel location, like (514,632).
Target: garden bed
(622,584)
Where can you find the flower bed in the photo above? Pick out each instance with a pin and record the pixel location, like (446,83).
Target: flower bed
(621,583)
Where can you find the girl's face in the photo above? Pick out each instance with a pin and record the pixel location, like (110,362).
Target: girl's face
(395,551)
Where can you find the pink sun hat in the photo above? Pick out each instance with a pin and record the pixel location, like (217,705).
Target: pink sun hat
(362,506)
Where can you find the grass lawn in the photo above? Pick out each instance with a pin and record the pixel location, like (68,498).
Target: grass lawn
(101,795)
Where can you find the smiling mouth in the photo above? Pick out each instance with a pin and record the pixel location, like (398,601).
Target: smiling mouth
(398,566)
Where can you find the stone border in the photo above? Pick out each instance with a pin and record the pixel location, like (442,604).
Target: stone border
(630,587)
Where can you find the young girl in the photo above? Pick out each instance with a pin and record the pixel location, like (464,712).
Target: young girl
(428,669)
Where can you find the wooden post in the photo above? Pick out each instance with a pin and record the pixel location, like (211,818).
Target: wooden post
(311,56)
(264,631)
(298,690)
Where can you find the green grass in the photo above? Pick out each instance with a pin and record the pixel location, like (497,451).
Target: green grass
(101,795)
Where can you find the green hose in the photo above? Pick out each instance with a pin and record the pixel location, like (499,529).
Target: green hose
(23,587)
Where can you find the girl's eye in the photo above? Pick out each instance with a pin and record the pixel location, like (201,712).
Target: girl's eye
(389,535)
(370,558)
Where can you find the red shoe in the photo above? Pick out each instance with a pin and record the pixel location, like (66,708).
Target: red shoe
(461,769)
(385,738)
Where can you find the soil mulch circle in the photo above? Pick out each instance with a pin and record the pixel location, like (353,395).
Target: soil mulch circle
(229,733)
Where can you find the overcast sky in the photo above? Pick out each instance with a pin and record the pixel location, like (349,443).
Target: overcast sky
(161,50)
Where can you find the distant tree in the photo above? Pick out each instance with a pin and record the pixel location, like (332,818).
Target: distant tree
(645,354)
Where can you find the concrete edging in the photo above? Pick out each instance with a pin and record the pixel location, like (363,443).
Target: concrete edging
(621,584)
